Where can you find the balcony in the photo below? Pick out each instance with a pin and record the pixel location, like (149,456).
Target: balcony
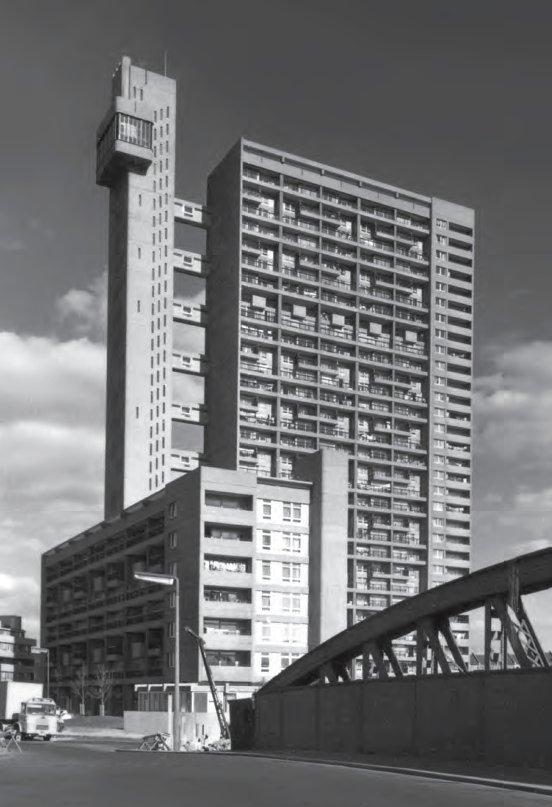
(227,641)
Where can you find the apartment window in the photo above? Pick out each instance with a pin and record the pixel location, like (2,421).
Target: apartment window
(440,286)
(296,572)
(172,568)
(172,510)
(170,658)
(439,381)
(265,567)
(266,632)
(439,413)
(438,506)
(441,349)
(440,396)
(438,523)
(440,318)
(265,601)
(171,630)
(266,540)
(438,443)
(439,554)
(441,256)
(286,572)
(438,459)
(291,542)
(439,569)
(292,512)
(286,603)
(440,428)
(267,509)
(440,333)
(173,536)
(440,301)
(265,663)
(438,490)
(441,223)
(439,475)
(441,239)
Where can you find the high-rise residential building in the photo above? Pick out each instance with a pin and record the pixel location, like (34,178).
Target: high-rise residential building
(334,319)
(339,314)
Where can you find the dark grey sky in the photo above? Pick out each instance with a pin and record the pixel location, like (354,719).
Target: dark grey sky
(450,99)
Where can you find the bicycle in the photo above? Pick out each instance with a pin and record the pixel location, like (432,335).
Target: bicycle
(155,742)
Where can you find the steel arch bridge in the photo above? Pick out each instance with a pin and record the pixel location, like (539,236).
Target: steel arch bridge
(498,589)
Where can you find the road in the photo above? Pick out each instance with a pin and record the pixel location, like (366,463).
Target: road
(89,773)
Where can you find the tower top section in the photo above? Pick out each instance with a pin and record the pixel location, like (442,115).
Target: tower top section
(124,137)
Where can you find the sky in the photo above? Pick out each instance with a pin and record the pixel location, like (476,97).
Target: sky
(446,99)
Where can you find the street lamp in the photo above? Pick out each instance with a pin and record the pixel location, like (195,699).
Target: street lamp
(39,651)
(170,580)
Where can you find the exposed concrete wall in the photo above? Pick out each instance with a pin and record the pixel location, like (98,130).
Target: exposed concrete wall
(193,724)
(223,304)
(329,472)
(503,717)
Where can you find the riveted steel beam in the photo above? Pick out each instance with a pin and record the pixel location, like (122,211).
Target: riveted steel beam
(511,633)
(429,628)
(443,625)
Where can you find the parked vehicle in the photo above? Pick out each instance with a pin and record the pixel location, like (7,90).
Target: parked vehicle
(24,710)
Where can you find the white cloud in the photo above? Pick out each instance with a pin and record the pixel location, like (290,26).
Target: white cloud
(85,310)
(513,463)
(52,445)
(50,380)
(513,407)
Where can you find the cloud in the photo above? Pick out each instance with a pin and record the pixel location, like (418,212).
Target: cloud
(51,380)
(52,446)
(513,462)
(84,311)
(10,244)
(513,407)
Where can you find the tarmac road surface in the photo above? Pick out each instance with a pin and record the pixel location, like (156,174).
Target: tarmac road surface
(88,773)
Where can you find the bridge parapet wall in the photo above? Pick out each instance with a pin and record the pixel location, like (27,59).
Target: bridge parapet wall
(501,717)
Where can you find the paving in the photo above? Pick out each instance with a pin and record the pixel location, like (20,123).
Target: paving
(86,773)
(538,780)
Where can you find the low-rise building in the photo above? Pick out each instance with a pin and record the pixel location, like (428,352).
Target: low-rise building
(16,661)
(261,565)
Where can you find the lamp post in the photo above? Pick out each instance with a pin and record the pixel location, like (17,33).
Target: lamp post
(170,580)
(40,651)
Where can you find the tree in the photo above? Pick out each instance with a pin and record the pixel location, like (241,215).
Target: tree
(79,687)
(102,687)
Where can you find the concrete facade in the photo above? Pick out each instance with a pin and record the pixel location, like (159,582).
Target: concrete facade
(501,717)
(136,161)
(338,315)
(254,558)
(340,312)
(16,660)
